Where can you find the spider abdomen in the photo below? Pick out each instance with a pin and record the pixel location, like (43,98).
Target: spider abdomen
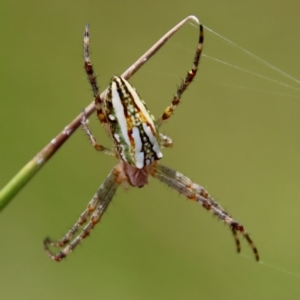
(133,128)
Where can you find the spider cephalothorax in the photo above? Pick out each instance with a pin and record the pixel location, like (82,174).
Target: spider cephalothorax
(137,146)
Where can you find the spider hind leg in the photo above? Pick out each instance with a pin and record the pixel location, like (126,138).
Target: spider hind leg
(93,213)
(195,192)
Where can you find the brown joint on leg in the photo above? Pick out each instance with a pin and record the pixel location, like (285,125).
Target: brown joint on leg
(88,68)
(206,205)
(192,197)
(204,194)
(95,220)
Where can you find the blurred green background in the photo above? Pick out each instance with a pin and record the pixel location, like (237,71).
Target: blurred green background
(234,133)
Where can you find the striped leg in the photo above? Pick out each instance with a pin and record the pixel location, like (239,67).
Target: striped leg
(195,192)
(97,146)
(92,77)
(185,83)
(94,211)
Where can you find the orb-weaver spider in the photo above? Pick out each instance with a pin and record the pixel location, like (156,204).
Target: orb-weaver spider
(137,146)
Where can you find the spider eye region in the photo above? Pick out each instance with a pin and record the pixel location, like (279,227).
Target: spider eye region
(133,127)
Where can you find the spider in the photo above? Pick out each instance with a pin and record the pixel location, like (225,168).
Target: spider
(137,146)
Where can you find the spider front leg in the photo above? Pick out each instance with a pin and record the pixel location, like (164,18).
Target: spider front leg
(95,209)
(92,77)
(185,82)
(195,192)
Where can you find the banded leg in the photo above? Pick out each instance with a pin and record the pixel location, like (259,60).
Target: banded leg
(97,146)
(92,77)
(95,209)
(185,83)
(195,192)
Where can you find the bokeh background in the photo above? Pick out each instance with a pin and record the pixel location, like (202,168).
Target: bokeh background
(234,133)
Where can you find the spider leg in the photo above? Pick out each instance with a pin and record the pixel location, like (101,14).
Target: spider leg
(92,77)
(88,132)
(92,205)
(195,192)
(95,209)
(237,240)
(185,82)
(165,141)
